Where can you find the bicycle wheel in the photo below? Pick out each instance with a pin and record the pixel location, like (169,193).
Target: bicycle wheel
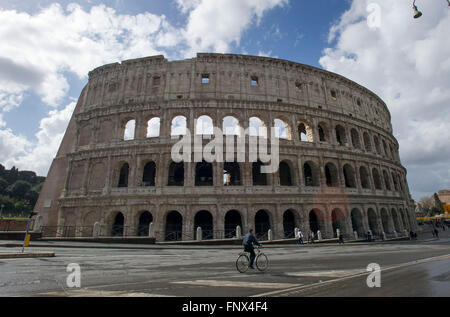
(242,263)
(262,262)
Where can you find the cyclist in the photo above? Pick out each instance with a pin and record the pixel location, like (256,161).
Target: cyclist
(248,241)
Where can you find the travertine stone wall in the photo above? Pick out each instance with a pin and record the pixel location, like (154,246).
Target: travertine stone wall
(82,185)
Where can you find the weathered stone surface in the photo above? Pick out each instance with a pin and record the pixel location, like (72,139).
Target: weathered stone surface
(344,168)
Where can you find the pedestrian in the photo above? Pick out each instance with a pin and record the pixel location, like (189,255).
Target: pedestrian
(436,232)
(341,238)
(313,236)
(300,237)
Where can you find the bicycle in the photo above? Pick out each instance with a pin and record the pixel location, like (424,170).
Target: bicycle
(243,261)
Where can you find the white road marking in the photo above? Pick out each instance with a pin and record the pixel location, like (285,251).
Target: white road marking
(332,273)
(216,283)
(94,293)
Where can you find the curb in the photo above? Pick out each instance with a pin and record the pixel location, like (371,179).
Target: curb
(26,255)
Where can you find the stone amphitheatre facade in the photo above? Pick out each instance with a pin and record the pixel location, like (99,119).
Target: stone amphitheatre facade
(339,161)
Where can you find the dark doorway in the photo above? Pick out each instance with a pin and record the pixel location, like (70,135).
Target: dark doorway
(289,224)
(262,224)
(123,177)
(232,220)
(148,179)
(176,174)
(204,174)
(117,228)
(314,224)
(204,219)
(285,174)
(259,179)
(144,222)
(232,174)
(174,225)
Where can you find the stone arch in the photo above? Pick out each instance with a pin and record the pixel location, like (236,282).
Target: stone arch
(357,222)
(282,129)
(259,179)
(385,221)
(311,174)
(149,174)
(178,125)
(262,224)
(173,226)
(355,138)
(204,219)
(286,173)
(376,142)
(290,221)
(129,130)
(176,174)
(305,132)
(341,137)
(257,127)
(204,125)
(233,218)
(323,132)
(338,221)
(154,127)
(387,181)
(230,126)
(373,221)
(316,221)
(349,176)
(397,225)
(145,218)
(232,174)
(118,226)
(394,179)
(204,174)
(124,174)
(376,179)
(364,176)
(331,175)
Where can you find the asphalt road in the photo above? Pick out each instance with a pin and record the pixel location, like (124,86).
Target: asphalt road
(407,269)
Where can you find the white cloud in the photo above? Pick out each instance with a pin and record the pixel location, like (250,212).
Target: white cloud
(407,63)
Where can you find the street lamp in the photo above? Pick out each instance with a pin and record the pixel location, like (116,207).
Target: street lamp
(417,13)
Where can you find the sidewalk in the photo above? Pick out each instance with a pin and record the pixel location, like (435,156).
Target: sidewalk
(19,255)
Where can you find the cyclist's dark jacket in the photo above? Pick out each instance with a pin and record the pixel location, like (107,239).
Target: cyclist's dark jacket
(249,239)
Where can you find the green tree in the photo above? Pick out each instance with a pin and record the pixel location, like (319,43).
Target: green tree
(19,189)
(3,186)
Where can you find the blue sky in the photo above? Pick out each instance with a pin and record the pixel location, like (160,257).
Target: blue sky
(47,48)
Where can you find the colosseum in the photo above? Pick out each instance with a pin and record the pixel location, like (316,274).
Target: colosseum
(339,166)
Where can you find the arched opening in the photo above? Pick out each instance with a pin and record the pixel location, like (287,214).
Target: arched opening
(355,139)
(397,226)
(204,126)
(282,129)
(230,126)
(285,174)
(123,175)
(231,174)
(149,175)
(367,143)
(232,220)
(289,224)
(259,179)
(340,135)
(176,174)
(331,175)
(179,126)
(174,226)
(257,127)
(357,222)
(364,175)
(310,174)
(262,224)
(305,132)
(204,174)
(204,220)
(376,141)
(394,179)
(338,222)
(349,176)
(314,222)
(322,133)
(153,128)
(373,221)
(385,221)
(129,130)
(145,220)
(376,179)
(387,181)
(386,151)
(405,219)
(118,225)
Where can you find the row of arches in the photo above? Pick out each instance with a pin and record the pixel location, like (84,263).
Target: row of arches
(257,127)
(204,175)
(314,220)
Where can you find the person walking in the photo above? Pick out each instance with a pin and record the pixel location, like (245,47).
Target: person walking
(341,238)
(300,237)
(248,241)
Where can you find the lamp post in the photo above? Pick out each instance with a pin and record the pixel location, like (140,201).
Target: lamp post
(27,235)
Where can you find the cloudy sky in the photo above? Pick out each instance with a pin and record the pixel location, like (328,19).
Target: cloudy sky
(48,47)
